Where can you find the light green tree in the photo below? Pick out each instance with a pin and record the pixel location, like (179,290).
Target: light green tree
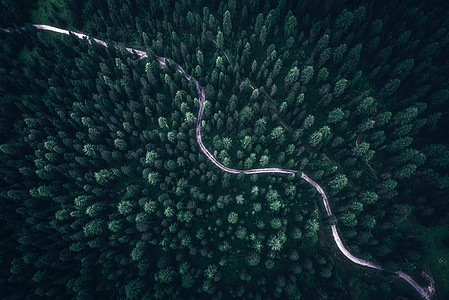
(153,178)
(263,35)
(254,95)
(219,63)
(241,233)
(308,122)
(227,142)
(339,52)
(276,242)
(315,138)
(335,115)
(264,160)
(349,219)
(361,149)
(125,207)
(200,57)
(322,75)
(233,217)
(150,157)
(278,134)
(277,68)
(307,74)
(246,141)
(220,40)
(312,227)
(211,271)
(162,122)
(290,25)
(338,182)
(340,87)
(120,144)
(275,205)
(292,76)
(227,24)
(368,197)
(89,150)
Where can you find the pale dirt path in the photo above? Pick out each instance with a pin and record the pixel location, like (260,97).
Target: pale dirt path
(426,293)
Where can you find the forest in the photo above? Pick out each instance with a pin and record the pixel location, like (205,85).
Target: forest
(106,191)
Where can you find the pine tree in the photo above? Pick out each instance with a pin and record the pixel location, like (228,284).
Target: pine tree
(292,76)
(307,74)
(340,87)
(290,25)
(263,35)
(220,40)
(390,87)
(227,25)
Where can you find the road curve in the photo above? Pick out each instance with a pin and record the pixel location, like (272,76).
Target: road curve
(426,293)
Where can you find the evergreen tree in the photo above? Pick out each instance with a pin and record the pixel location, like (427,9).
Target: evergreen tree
(227,25)
(340,87)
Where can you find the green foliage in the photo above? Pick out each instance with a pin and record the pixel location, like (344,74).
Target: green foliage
(391,87)
(162,122)
(89,150)
(292,76)
(277,134)
(263,35)
(401,143)
(344,20)
(276,242)
(363,151)
(134,288)
(227,25)
(106,192)
(220,40)
(93,228)
(153,178)
(315,138)
(348,219)
(322,75)
(233,217)
(306,74)
(308,122)
(276,223)
(338,182)
(253,259)
(290,25)
(335,115)
(340,87)
(437,154)
(103,177)
(312,227)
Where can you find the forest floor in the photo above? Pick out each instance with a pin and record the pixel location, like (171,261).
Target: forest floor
(436,262)
(438,258)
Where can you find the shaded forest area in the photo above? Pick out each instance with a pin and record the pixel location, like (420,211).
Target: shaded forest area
(105,192)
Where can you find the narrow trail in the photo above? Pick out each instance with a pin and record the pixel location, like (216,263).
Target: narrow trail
(366,162)
(426,292)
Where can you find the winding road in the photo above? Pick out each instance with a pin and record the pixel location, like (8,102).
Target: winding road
(425,292)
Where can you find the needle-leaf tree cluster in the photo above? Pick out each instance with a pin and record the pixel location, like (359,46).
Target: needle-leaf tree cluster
(104,189)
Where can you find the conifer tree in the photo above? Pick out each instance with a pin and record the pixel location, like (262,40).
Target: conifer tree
(227,25)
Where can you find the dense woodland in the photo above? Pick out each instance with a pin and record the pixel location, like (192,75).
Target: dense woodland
(105,192)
